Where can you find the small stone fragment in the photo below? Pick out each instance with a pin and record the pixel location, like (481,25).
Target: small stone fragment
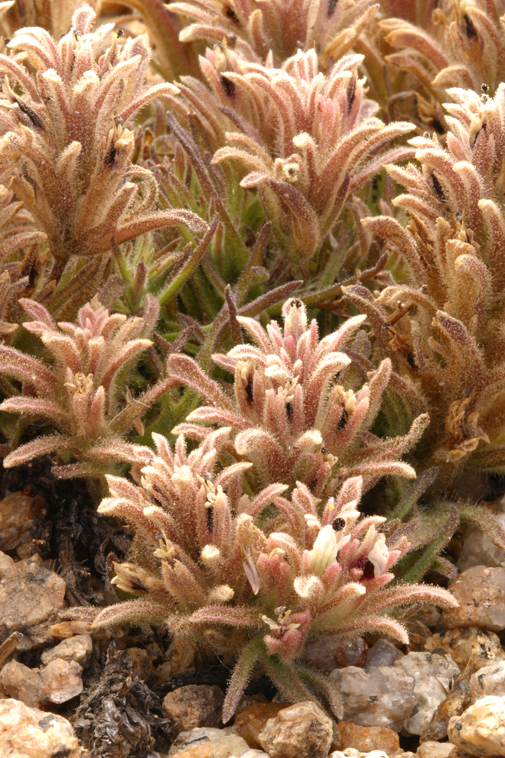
(30,733)
(30,597)
(208,742)
(350,752)
(302,730)
(251,721)
(434,750)
(478,550)
(382,696)
(455,703)
(366,738)
(328,653)
(434,675)
(78,648)
(61,680)
(181,655)
(383,653)
(22,683)
(17,520)
(194,705)
(489,680)
(480,592)
(480,730)
(470,648)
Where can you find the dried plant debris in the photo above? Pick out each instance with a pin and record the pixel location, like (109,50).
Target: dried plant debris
(119,716)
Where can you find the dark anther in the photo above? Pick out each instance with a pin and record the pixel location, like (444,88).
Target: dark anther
(324,450)
(296,303)
(458,216)
(484,88)
(227,85)
(342,420)
(338,524)
(368,571)
(438,187)
(230,13)
(351,94)
(289,411)
(110,157)
(470,30)
(210,518)
(34,117)
(249,389)
(332,4)
(120,32)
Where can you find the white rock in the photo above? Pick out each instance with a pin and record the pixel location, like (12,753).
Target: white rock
(302,730)
(225,742)
(434,674)
(30,733)
(480,730)
(62,680)
(380,696)
(489,680)
(432,749)
(22,683)
(78,648)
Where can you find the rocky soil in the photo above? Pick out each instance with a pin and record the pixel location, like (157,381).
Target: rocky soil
(67,691)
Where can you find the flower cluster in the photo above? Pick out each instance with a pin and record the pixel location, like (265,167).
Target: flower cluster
(80,396)
(308,141)
(279,28)
(298,411)
(256,576)
(66,148)
(448,319)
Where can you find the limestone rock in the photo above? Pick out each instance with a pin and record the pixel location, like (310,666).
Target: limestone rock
(480,592)
(78,648)
(480,730)
(434,675)
(61,680)
(302,730)
(194,705)
(251,721)
(382,696)
(455,703)
(367,738)
(207,742)
(435,750)
(470,648)
(30,733)
(489,680)
(30,597)
(22,683)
